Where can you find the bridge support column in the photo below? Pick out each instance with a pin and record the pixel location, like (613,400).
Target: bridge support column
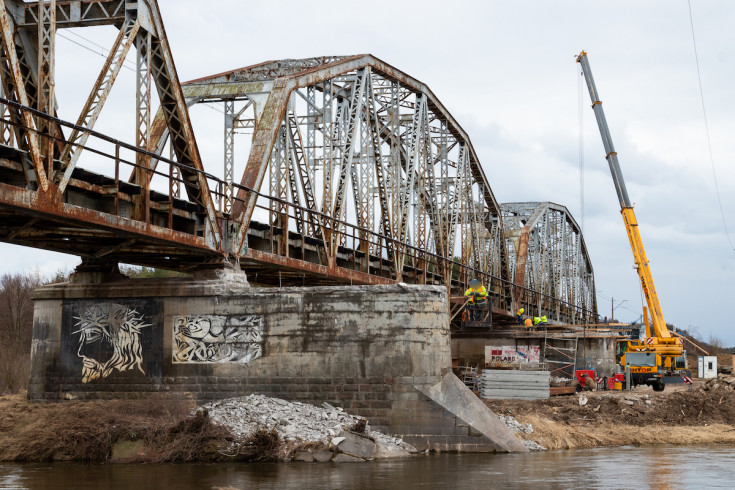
(92,271)
(382,352)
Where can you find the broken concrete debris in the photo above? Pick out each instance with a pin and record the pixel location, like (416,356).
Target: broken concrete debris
(721,382)
(301,423)
(516,426)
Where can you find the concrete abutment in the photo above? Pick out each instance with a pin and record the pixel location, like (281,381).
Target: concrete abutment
(382,352)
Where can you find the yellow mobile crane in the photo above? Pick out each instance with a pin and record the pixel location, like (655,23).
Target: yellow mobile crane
(653,360)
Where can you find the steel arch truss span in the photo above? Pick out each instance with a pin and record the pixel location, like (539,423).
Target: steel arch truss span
(548,257)
(356,170)
(47,199)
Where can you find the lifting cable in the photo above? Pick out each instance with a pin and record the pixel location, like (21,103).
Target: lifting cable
(706,127)
(580,119)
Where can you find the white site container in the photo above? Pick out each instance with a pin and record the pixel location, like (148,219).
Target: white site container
(707,367)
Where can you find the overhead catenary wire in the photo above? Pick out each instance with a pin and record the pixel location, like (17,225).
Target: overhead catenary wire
(103,52)
(706,127)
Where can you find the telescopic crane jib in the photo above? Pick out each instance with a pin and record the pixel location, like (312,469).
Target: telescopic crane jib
(660,341)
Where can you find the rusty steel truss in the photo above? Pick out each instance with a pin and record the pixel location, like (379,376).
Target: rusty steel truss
(355,172)
(548,257)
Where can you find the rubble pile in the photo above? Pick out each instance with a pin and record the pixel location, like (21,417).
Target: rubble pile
(516,426)
(723,382)
(300,423)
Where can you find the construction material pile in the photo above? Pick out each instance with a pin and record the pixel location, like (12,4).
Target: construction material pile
(300,424)
(499,384)
(723,382)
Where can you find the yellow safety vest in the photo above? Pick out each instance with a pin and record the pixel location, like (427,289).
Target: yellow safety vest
(480,291)
(543,319)
(520,312)
(536,320)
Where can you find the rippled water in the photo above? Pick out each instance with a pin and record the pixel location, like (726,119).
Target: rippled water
(625,467)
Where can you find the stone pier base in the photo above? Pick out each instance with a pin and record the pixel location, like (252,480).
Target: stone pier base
(382,352)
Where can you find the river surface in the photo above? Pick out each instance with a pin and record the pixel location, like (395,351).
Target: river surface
(624,467)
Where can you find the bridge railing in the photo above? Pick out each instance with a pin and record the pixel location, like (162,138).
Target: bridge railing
(357,248)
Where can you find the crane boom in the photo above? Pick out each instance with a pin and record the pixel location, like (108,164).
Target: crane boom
(663,336)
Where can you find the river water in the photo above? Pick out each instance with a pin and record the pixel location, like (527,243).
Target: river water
(624,467)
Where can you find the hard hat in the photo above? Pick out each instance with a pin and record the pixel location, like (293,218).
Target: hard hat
(474,283)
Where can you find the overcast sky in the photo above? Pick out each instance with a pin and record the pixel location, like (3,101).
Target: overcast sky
(506,71)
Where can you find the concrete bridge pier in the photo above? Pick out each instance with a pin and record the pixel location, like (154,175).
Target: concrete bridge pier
(382,352)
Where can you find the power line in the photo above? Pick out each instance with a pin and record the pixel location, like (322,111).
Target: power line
(90,49)
(706,127)
(126,63)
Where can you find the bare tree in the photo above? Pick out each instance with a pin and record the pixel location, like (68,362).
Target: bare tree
(716,345)
(16,329)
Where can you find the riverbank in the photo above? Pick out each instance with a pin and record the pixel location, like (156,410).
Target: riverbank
(251,428)
(258,428)
(703,415)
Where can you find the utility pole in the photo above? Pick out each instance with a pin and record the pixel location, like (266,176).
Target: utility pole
(612,307)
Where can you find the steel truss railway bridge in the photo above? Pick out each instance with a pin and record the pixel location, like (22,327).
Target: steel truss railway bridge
(355,173)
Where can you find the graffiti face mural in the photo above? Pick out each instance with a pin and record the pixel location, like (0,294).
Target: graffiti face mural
(216,338)
(109,340)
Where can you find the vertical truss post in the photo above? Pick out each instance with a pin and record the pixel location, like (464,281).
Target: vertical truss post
(226,201)
(373,131)
(143,121)
(46,49)
(175,182)
(350,130)
(279,176)
(397,215)
(313,117)
(6,130)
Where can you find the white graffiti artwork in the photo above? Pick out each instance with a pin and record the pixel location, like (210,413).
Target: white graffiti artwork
(109,340)
(217,338)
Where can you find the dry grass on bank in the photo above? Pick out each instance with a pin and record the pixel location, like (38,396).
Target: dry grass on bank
(87,431)
(555,435)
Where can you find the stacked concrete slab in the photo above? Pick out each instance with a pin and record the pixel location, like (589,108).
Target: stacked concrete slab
(499,384)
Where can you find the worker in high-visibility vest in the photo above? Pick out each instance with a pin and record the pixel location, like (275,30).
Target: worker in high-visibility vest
(528,322)
(544,321)
(536,320)
(519,315)
(478,299)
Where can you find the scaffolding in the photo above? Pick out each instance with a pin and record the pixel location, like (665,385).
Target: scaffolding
(560,355)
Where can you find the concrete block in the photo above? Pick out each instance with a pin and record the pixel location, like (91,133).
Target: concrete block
(323,455)
(356,445)
(346,458)
(304,456)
